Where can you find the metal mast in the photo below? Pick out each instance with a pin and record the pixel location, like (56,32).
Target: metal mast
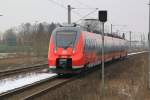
(69,14)
(149,50)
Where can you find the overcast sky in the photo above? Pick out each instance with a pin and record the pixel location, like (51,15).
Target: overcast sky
(133,13)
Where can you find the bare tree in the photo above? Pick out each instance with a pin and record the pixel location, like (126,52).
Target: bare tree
(9,37)
(31,38)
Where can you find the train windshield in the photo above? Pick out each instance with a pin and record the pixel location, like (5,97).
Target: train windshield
(65,39)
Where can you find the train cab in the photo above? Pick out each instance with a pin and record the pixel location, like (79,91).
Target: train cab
(65,50)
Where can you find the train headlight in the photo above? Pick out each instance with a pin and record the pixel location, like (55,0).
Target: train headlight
(55,50)
(73,51)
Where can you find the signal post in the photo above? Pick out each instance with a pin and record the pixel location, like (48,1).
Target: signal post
(102,18)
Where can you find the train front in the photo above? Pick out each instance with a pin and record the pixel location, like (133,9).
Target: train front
(66,50)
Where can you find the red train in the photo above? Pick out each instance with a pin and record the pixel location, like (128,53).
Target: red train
(72,50)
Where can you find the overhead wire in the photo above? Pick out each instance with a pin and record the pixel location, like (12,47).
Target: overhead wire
(79,2)
(58,4)
(87,8)
(62,6)
(87,15)
(78,14)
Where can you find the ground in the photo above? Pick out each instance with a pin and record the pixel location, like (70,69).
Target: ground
(19,61)
(124,80)
(12,57)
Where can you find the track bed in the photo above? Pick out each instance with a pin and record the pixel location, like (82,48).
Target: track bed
(125,80)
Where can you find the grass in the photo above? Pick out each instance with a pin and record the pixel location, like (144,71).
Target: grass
(124,80)
(11,49)
(18,62)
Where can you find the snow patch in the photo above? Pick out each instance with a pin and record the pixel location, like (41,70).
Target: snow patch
(130,54)
(20,81)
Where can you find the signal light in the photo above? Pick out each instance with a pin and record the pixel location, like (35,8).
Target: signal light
(103,16)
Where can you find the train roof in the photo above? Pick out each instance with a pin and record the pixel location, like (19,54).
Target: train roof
(67,28)
(78,28)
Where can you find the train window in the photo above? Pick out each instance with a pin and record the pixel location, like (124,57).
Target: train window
(88,44)
(94,41)
(85,45)
(99,43)
(95,45)
(65,39)
(91,44)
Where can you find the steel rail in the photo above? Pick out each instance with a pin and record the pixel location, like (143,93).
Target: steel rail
(22,93)
(42,92)
(24,69)
(38,66)
(26,87)
(26,92)
(48,89)
(44,85)
(52,83)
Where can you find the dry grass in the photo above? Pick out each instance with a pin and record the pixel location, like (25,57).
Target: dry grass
(124,80)
(18,62)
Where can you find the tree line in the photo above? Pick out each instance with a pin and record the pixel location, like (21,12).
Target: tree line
(32,37)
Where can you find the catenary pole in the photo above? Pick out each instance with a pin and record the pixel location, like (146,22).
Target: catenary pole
(149,50)
(103,73)
(69,14)
(103,18)
(130,39)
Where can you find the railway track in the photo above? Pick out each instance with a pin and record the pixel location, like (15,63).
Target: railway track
(39,88)
(35,67)
(32,91)
(23,70)
(24,92)
(36,89)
